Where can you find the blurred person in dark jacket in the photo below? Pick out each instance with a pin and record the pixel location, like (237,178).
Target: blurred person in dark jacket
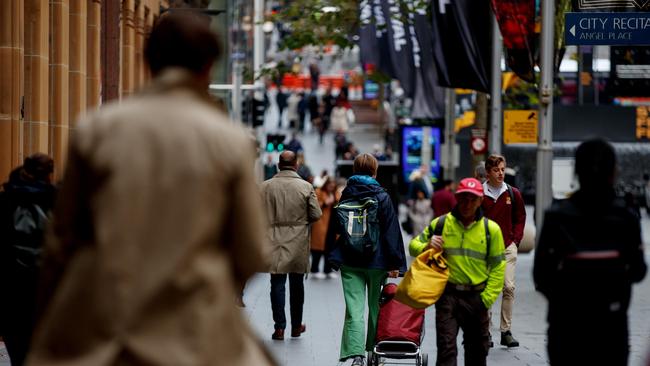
(270,168)
(588,255)
(136,273)
(25,205)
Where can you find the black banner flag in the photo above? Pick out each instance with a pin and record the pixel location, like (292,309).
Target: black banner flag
(461,40)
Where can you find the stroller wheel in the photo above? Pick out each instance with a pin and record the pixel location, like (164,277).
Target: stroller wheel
(424,359)
(373,359)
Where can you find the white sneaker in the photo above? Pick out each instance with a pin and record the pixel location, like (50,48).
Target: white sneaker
(332,275)
(319,276)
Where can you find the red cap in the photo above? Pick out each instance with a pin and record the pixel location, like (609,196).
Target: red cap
(470,185)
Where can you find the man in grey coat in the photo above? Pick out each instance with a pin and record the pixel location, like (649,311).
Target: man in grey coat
(291,207)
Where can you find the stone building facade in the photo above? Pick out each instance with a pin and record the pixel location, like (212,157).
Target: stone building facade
(60,59)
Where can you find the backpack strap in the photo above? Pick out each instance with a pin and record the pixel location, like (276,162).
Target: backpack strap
(440,225)
(488,237)
(511,193)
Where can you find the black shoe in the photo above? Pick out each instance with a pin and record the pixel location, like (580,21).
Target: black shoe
(508,340)
(358,361)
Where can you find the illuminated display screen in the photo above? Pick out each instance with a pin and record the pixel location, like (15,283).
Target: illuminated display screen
(412,151)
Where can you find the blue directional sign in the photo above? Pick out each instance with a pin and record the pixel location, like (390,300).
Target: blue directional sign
(607,29)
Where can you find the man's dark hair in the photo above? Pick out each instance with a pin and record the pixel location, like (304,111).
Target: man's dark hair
(595,163)
(288,160)
(38,166)
(182,39)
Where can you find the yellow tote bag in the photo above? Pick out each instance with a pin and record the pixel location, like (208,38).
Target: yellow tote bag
(425,281)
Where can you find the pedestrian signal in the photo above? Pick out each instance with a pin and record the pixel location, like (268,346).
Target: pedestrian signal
(275,142)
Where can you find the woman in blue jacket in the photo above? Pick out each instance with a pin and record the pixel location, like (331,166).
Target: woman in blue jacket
(366,269)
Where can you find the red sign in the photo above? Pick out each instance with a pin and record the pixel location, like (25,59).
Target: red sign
(479,141)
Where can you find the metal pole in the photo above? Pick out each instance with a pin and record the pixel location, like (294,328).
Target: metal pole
(258,39)
(450,136)
(237,56)
(426,149)
(581,69)
(544,194)
(496,111)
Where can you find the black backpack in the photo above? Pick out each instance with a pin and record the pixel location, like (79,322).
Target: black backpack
(359,221)
(29,222)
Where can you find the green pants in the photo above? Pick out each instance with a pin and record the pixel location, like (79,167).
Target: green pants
(355,282)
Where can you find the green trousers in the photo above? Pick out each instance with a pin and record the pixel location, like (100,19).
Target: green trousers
(355,283)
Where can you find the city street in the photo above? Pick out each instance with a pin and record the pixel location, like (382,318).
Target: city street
(324,306)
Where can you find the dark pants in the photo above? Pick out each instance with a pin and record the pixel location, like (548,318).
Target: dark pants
(588,339)
(296,298)
(315,261)
(465,310)
(17,346)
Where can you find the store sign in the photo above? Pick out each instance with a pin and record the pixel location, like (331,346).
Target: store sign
(607,28)
(520,127)
(643,123)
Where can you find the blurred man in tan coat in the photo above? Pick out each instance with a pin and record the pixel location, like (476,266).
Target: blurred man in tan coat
(291,207)
(158,224)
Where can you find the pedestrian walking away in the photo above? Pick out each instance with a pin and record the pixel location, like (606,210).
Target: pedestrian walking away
(443,200)
(157,225)
(368,250)
(291,207)
(473,248)
(588,256)
(327,198)
(25,206)
(504,204)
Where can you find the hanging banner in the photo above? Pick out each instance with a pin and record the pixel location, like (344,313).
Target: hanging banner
(368,45)
(462,43)
(429,95)
(516,20)
(400,46)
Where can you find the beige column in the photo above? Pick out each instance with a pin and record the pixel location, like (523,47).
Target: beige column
(78,54)
(11,84)
(148,24)
(128,46)
(59,82)
(37,74)
(139,46)
(93,58)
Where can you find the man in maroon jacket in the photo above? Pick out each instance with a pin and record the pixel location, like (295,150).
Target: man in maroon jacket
(443,200)
(505,205)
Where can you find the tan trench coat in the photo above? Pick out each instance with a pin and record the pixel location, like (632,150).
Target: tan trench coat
(158,223)
(291,206)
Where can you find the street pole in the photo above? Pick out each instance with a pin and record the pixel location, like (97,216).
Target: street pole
(450,136)
(258,39)
(496,110)
(426,150)
(237,67)
(543,192)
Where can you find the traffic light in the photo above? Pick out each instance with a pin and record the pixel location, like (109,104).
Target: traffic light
(275,142)
(258,109)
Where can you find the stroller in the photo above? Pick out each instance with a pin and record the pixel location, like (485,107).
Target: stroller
(400,330)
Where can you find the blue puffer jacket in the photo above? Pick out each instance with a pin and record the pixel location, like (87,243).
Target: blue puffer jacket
(390,254)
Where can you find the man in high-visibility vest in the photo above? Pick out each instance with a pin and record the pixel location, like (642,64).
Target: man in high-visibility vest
(474,250)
